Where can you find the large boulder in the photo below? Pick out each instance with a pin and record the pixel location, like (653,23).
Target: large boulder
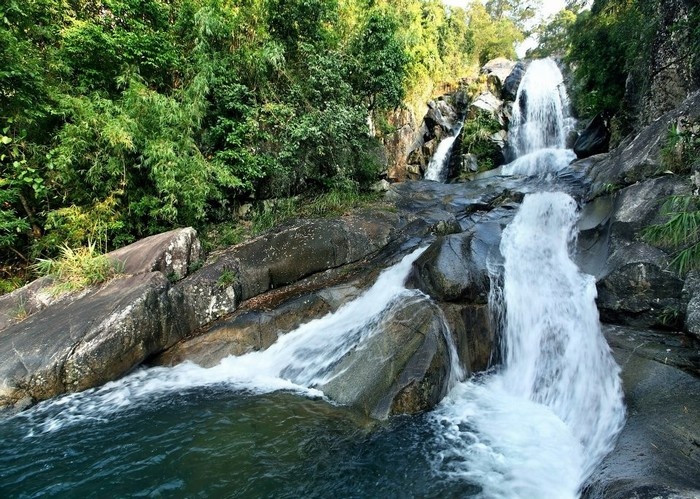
(94,338)
(497,71)
(403,369)
(656,454)
(173,253)
(511,84)
(636,285)
(594,139)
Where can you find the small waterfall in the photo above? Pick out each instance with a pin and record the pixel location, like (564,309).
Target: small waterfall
(299,361)
(540,123)
(438,167)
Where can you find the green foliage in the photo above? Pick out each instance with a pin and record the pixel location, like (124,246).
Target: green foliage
(680,233)
(123,118)
(476,139)
(77,268)
(603,51)
(682,147)
(553,37)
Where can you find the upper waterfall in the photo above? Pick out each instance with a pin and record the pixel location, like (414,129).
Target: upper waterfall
(541,121)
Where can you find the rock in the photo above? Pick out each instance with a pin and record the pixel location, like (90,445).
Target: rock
(638,290)
(403,369)
(639,157)
(512,81)
(691,296)
(245,332)
(487,103)
(656,455)
(497,71)
(95,338)
(280,258)
(455,267)
(407,137)
(594,139)
(635,283)
(172,253)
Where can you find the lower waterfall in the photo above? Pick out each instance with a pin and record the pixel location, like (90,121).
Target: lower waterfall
(538,426)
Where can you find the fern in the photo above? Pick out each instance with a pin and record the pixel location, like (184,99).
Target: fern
(680,233)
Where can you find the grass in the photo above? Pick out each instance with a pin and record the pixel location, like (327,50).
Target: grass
(271,214)
(76,268)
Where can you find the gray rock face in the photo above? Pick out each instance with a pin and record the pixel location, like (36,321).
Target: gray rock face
(512,82)
(594,139)
(497,71)
(171,253)
(656,455)
(93,339)
(455,267)
(639,157)
(404,369)
(636,285)
(691,296)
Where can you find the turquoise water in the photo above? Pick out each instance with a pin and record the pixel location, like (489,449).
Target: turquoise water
(216,442)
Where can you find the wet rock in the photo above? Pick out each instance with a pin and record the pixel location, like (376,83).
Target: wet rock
(403,370)
(657,453)
(594,139)
(95,338)
(455,268)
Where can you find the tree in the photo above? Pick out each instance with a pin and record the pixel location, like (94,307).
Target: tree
(520,12)
(553,37)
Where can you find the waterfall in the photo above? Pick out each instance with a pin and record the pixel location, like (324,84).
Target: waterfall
(301,360)
(540,122)
(539,425)
(438,167)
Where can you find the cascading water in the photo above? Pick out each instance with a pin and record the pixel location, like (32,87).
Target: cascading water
(301,360)
(538,129)
(437,169)
(540,424)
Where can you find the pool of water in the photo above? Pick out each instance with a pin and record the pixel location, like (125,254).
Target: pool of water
(219,442)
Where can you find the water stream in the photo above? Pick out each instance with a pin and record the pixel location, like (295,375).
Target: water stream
(438,168)
(258,426)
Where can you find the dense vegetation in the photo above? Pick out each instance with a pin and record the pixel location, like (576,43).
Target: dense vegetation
(122,118)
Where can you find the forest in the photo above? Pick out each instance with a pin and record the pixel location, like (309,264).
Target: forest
(124,118)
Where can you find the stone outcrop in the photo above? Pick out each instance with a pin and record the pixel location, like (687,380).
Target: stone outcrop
(656,455)
(636,285)
(594,139)
(639,157)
